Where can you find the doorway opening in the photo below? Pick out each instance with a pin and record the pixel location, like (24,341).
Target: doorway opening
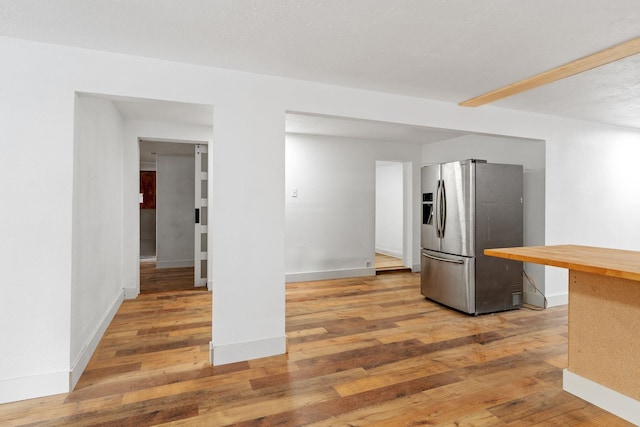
(389,217)
(173,241)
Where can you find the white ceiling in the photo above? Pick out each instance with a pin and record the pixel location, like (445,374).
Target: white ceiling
(131,108)
(164,111)
(438,49)
(150,150)
(366,129)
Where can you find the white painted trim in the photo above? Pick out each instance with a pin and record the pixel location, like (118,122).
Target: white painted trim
(557,300)
(131,293)
(22,388)
(610,400)
(417,268)
(329,274)
(389,252)
(209,285)
(175,264)
(147,166)
(78,366)
(239,352)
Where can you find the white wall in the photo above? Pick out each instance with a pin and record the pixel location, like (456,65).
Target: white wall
(175,201)
(330,225)
(247,167)
(592,190)
(389,208)
(530,154)
(96,287)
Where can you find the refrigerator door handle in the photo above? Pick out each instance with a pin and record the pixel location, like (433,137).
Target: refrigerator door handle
(452,261)
(437,209)
(443,209)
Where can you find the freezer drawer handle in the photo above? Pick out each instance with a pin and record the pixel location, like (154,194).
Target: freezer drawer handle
(452,261)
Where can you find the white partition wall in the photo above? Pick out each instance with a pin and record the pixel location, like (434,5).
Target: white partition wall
(96,281)
(175,184)
(330,204)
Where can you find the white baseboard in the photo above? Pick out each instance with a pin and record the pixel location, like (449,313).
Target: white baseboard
(78,366)
(131,293)
(416,268)
(389,252)
(22,388)
(175,263)
(239,352)
(329,274)
(610,400)
(209,285)
(557,300)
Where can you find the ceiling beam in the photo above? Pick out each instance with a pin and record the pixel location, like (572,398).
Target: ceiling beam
(606,56)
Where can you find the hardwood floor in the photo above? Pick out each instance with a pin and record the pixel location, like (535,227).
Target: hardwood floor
(361,351)
(154,279)
(388,264)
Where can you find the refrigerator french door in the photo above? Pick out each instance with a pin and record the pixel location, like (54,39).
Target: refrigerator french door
(468,206)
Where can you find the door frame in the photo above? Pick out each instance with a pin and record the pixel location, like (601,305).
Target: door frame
(192,143)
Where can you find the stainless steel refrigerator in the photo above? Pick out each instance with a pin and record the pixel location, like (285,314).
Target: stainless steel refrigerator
(468,206)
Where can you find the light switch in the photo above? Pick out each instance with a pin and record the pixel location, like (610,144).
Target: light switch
(141,197)
(294,192)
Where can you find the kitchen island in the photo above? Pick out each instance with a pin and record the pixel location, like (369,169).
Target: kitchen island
(604,322)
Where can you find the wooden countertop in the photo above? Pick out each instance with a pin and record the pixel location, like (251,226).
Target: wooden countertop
(607,262)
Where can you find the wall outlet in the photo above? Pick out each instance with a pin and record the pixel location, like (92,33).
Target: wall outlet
(367,263)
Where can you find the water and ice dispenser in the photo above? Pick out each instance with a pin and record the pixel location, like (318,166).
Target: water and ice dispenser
(427,208)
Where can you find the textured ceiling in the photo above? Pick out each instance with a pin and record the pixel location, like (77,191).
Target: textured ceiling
(438,49)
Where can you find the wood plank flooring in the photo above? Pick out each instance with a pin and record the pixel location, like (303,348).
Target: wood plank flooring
(153,279)
(388,264)
(361,351)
